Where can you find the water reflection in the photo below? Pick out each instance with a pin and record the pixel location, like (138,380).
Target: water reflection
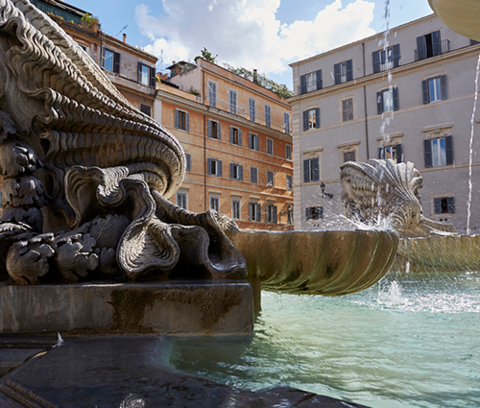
(409,341)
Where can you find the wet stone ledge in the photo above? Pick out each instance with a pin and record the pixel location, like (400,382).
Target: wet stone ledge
(174,307)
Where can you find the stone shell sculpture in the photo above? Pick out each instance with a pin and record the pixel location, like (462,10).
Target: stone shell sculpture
(382,190)
(86,176)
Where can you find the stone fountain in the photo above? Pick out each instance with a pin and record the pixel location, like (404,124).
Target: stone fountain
(90,244)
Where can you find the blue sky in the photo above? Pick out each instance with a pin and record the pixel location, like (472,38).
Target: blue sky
(262,34)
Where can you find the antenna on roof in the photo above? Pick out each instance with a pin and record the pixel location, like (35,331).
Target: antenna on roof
(121,30)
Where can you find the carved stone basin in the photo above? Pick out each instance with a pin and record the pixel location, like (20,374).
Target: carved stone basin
(443,253)
(462,16)
(331,263)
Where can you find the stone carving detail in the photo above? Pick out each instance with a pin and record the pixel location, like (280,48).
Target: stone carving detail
(87,177)
(379,190)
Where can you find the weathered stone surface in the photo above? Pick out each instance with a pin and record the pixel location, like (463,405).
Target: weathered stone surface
(87,176)
(111,371)
(177,308)
(331,263)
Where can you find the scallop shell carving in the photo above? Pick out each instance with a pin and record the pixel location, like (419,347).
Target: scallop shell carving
(382,190)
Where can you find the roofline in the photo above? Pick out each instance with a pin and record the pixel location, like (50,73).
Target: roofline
(358,42)
(131,47)
(280,100)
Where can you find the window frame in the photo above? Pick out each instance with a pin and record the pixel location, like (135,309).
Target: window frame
(270,178)
(314,212)
(394,98)
(268,115)
(236,209)
(212,93)
(238,141)
(179,123)
(352,117)
(383,150)
(232,101)
(236,171)
(214,203)
(343,72)
(271,213)
(214,129)
(311,170)
(254,211)
(214,167)
(253,141)
(182,198)
(288,152)
(289,182)
(254,175)
(426,91)
(286,122)
(430,160)
(269,146)
(311,124)
(116,57)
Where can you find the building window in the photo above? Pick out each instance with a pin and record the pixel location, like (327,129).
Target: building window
(182,200)
(236,171)
(233,101)
(182,120)
(214,167)
(147,110)
(347,109)
(253,141)
(251,109)
(212,93)
(270,178)
(288,152)
(349,156)
(189,161)
(111,60)
(146,75)
(387,100)
(254,212)
(268,116)
(270,146)
(236,209)
(271,213)
(314,213)
(215,203)
(343,72)
(384,60)
(286,123)
(235,136)
(253,175)
(311,119)
(391,152)
(444,205)
(311,171)
(438,152)
(434,89)
(311,82)
(430,45)
(214,129)
(289,182)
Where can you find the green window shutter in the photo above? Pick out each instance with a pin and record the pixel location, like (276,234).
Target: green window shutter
(209,128)
(239,137)
(116,62)
(398,148)
(139,72)
(381,153)
(315,169)
(319,79)
(187,121)
(303,84)
(396,55)
(379,102)
(209,166)
(338,74)
(396,102)
(219,132)
(306,171)
(231,134)
(305,121)
(317,117)
(219,164)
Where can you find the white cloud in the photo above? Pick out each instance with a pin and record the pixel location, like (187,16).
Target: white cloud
(247,33)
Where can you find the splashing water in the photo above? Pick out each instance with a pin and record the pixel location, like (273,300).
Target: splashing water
(470,186)
(387,117)
(392,296)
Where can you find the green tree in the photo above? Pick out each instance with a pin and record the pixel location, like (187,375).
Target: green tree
(206,55)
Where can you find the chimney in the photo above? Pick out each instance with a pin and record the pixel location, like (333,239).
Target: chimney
(124,37)
(255,76)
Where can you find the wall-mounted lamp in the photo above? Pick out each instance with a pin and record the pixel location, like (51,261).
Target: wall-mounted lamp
(324,194)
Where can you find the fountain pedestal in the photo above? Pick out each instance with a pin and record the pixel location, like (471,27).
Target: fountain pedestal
(213,307)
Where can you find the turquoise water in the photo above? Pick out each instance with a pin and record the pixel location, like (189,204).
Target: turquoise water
(409,341)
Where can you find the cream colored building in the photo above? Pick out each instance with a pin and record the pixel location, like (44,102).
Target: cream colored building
(344,104)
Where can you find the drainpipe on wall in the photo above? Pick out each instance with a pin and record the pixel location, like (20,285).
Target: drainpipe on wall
(204,146)
(365,102)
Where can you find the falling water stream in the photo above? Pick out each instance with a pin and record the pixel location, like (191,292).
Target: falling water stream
(470,162)
(410,341)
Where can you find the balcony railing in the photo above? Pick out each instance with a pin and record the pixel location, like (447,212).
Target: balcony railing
(432,50)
